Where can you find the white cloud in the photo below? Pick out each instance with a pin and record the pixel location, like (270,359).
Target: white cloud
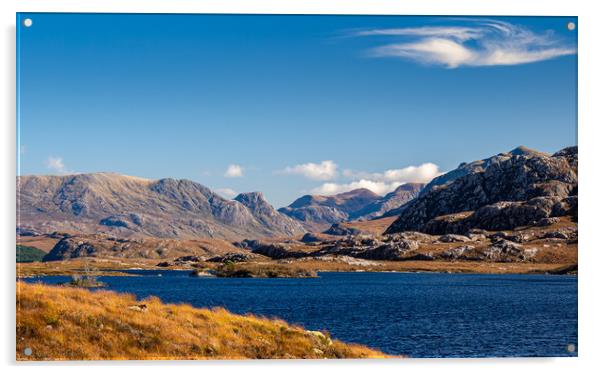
(57,165)
(457,32)
(226,192)
(325,170)
(430,51)
(380,188)
(487,43)
(381,183)
(234,171)
(420,174)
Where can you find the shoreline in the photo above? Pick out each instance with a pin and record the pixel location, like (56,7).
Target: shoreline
(545,269)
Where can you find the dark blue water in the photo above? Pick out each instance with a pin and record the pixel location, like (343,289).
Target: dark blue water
(420,315)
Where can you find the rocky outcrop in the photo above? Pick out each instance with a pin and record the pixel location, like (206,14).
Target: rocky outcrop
(478,166)
(182,261)
(501,250)
(341,230)
(278,251)
(393,248)
(249,244)
(452,238)
(107,246)
(310,238)
(134,207)
(503,192)
(571,155)
(70,248)
(232,257)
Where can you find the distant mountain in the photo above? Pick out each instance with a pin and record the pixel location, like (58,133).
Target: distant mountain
(318,212)
(265,214)
(129,206)
(512,189)
(391,201)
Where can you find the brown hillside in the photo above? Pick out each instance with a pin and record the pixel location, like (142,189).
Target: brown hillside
(61,323)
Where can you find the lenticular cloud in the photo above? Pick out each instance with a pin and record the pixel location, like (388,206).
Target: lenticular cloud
(488,43)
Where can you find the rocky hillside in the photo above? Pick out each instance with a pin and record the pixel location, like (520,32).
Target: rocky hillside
(552,241)
(318,212)
(518,188)
(106,246)
(128,206)
(478,166)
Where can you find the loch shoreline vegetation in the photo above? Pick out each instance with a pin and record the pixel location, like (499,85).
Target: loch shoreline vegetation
(65,323)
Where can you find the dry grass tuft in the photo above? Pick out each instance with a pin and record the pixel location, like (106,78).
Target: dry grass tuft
(62,323)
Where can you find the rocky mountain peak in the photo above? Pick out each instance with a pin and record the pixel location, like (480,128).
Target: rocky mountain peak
(521,150)
(251,199)
(530,183)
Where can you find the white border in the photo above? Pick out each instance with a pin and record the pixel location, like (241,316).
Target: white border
(421,7)
(590,103)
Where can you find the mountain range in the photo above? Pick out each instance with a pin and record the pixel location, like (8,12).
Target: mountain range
(130,206)
(317,212)
(500,192)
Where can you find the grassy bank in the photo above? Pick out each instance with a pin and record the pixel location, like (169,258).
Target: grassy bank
(62,323)
(29,254)
(101,266)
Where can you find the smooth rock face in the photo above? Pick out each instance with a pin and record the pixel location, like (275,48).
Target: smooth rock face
(503,192)
(129,206)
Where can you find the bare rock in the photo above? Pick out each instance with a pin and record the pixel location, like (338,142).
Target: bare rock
(338,229)
(278,251)
(454,238)
(232,257)
(310,238)
(548,221)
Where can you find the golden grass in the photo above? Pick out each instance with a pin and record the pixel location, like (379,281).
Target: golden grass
(101,266)
(42,242)
(61,323)
(375,226)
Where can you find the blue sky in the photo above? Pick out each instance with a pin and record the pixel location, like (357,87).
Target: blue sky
(289,105)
